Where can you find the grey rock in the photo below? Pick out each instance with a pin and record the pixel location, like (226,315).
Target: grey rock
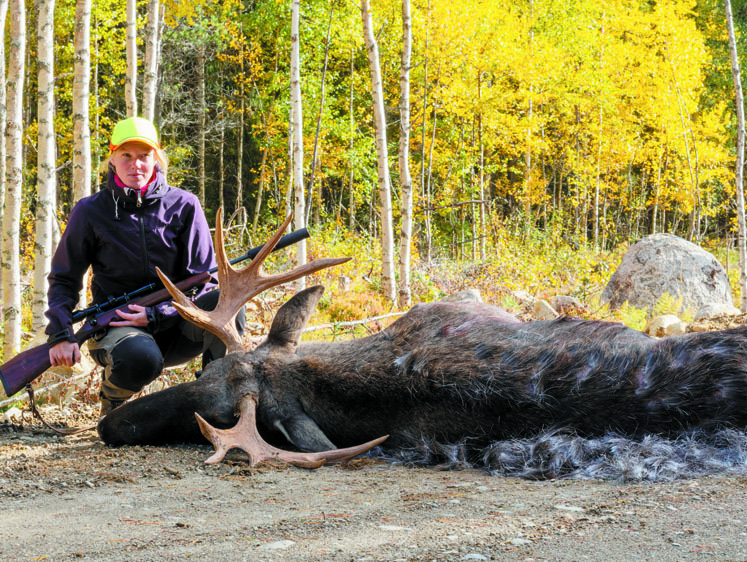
(664,263)
(467,295)
(712,310)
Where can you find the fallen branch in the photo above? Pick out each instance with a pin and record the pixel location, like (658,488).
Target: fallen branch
(335,325)
(45,389)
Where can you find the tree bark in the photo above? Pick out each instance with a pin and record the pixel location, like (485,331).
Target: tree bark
(150,70)
(81,94)
(240,134)
(3,114)
(405,179)
(131,48)
(221,171)
(11,261)
(260,188)
(425,200)
(299,216)
(387,235)
(47,180)
(483,230)
(201,180)
(741,234)
(351,177)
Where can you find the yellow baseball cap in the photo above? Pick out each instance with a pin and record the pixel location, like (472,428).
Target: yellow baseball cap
(134,129)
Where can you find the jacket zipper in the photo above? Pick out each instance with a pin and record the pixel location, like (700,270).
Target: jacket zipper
(143,247)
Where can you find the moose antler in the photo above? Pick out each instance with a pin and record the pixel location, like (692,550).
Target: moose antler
(244,436)
(237,287)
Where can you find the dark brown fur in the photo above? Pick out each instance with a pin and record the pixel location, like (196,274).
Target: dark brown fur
(455,372)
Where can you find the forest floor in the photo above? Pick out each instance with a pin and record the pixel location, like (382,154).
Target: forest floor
(67,498)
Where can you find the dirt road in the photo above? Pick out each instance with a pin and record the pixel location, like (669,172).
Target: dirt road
(73,498)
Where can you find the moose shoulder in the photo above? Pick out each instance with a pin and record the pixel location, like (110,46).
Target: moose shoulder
(448,372)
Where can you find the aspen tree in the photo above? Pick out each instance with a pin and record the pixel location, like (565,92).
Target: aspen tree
(3,113)
(47,180)
(82,167)
(11,261)
(741,235)
(201,110)
(150,71)
(405,180)
(299,217)
(131,43)
(81,93)
(385,191)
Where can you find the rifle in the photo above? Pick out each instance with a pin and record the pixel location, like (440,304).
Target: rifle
(22,369)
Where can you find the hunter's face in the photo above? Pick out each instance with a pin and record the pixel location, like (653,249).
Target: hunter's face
(134,163)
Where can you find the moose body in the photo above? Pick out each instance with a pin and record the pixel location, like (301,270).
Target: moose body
(450,372)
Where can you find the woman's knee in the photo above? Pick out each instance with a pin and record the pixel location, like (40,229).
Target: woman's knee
(135,362)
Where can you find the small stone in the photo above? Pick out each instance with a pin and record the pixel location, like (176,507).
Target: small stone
(665,325)
(393,528)
(543,310)
(279,545)
(573,508)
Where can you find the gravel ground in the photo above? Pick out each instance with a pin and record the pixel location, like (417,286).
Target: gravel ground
(69,498)
(73,498)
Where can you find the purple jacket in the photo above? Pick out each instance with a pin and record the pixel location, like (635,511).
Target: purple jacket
(124,240)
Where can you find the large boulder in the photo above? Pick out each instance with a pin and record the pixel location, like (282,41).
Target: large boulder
(664,263)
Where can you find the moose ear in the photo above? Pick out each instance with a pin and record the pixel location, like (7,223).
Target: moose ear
(292,317)
(304,433)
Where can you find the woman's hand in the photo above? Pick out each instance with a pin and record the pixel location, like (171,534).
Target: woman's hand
(65,353)
(136,318)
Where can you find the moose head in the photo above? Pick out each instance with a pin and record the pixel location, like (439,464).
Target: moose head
(228,385)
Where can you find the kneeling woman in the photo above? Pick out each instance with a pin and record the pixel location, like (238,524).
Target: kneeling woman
(135,223)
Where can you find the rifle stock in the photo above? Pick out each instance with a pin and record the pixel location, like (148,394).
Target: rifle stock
(31,363)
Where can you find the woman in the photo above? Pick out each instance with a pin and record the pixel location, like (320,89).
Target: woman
(137,222)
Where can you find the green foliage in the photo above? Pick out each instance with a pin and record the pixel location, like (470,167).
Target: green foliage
(669,304)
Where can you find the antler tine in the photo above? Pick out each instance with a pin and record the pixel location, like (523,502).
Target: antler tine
(244,436)
(238,286)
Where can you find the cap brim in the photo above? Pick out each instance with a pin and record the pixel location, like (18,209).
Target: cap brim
(149,142)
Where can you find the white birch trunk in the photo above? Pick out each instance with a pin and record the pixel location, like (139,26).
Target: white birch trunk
(240,154)
(741,233)
(82,166)
(405,179)
(131,47)
(351,107)
(81,94)
(299,215)
(150,70)
(3,114)
(47,179)
(13,180)
(201,124)
(387,236)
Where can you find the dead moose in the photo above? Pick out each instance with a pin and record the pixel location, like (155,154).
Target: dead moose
(443,373)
